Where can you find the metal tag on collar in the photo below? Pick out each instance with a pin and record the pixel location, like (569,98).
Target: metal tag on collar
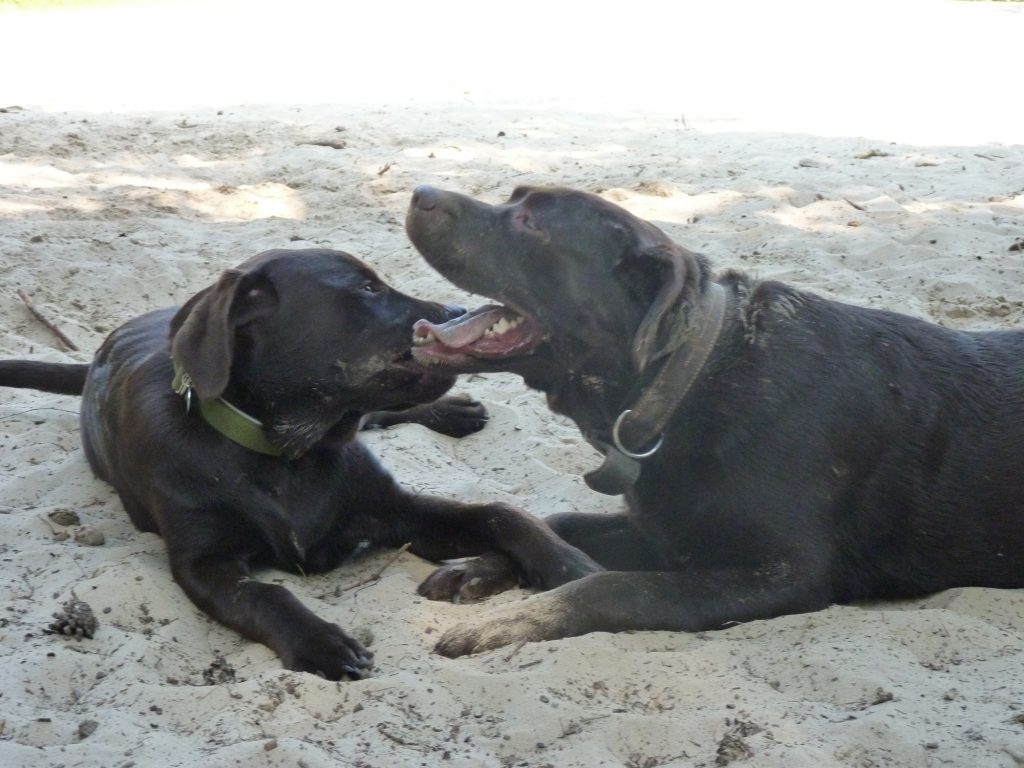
(621,467)
(616,475)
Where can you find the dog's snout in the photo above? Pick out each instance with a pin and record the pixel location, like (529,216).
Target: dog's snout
(454,310)
(425,197)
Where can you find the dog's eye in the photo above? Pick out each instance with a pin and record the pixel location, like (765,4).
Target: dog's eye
(372,286)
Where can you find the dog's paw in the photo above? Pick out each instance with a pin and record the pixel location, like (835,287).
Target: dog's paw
(523,622)
(330,653)
(455,416)
(470,580)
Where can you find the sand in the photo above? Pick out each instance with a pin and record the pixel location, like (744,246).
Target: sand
(117,200)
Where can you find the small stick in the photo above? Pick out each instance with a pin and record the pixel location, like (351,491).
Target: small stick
(384,730)
(326,143)
(53,529)
(380,571)
(39,316)
(515,650)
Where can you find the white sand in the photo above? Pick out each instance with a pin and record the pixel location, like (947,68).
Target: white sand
(133,177)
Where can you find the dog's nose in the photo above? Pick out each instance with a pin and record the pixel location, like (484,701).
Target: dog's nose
(454,310)
(425,197)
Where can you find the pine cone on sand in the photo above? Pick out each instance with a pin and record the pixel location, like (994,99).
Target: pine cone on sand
(75,619)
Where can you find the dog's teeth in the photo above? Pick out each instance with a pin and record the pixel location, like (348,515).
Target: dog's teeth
(504,325)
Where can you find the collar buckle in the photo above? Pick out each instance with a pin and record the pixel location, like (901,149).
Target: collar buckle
(182,385)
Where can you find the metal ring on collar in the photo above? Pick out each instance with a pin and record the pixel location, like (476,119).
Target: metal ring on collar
(625,451)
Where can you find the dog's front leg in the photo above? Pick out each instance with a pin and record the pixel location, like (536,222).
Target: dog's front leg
(270,614)
(454,415)
(610,540)
(518,543)
(615,601)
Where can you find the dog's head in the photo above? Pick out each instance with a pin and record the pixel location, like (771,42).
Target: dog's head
(585,286)
(303,338)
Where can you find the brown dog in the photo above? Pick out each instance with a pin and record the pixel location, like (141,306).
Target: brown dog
(778,451)
(305,344)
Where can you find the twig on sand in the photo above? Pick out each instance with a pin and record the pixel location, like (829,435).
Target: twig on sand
(375,576)
(515,650)
(1017,757)
(42,319)
(329,143)
(53,529)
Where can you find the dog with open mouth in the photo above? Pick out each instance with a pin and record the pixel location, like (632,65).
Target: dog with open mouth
(778,451)
(228,427)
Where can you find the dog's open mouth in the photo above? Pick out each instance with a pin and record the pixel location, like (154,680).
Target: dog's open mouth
(491,332)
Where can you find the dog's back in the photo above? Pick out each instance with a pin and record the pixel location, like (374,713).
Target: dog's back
(115,398)
(908,433)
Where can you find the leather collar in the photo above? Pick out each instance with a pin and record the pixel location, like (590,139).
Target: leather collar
(637,432)
(232,422)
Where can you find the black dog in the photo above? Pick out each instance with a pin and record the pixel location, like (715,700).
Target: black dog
(778,451)
(305,343)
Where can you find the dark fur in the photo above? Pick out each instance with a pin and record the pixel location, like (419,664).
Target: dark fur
(827,453)
(309,342)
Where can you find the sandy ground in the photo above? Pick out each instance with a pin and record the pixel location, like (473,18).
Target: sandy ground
(886,171)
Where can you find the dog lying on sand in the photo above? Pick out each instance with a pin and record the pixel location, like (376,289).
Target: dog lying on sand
(228,427)
(778,452)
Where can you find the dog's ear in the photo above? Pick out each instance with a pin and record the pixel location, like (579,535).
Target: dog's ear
(203,331)
(681,274)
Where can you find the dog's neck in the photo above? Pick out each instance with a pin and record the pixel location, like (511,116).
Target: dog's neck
(232,422)
(279,435)
(642,423)
(636,433)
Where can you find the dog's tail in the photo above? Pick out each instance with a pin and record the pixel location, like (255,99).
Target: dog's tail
(60,378)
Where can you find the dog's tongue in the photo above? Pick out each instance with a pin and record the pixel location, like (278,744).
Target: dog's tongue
(463,330)
(490,332)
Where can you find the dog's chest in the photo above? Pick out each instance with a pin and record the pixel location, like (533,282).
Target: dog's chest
(309,515)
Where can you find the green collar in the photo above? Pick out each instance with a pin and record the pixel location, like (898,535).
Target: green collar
(234,424)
